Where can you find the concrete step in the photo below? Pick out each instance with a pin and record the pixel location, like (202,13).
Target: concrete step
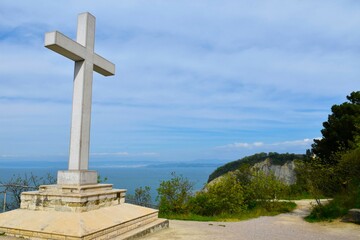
(144,230)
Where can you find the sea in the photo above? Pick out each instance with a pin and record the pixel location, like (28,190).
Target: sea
(125,176)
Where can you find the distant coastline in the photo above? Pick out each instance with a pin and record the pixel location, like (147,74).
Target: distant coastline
(123,176)
(61,163)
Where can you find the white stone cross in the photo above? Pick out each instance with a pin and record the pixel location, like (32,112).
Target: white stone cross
(86,61)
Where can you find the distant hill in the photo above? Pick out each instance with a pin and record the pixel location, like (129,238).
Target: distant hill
(273,157)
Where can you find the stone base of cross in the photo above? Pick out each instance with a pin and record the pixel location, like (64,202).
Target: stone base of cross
(86,61)
(77,177)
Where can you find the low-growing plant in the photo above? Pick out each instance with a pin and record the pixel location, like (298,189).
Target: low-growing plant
(101,180)
(279,207)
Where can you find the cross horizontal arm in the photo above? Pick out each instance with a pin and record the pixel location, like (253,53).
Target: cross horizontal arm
(65,46)
(103,66)
(75,51)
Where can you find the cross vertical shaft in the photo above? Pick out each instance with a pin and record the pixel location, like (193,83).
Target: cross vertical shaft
(82,96)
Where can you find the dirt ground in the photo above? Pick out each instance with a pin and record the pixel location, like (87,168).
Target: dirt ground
(289,226)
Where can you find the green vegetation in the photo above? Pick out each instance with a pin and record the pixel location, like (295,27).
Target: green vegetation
(275,158)
(226,199)
(342,182)
(278,208)
(330,169)
(225,196)
(174,194)
(334,171)
(141,197)
(338,207)
(340,130)
(101,180)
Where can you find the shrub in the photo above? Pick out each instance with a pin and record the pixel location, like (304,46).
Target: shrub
(223,196)
(266,187)
(347,179)
(174,194)
(320,180)
(141,197)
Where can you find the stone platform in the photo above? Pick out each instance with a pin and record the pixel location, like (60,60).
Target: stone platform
(123,221)
(79,212)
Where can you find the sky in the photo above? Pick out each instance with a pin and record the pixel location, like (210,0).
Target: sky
(195,80)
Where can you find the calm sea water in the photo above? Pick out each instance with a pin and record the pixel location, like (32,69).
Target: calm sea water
(127,178)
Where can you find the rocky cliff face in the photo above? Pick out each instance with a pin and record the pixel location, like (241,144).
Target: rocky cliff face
(284,172)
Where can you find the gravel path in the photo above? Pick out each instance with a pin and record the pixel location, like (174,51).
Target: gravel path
(289,226)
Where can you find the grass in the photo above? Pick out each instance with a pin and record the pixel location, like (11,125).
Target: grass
(328,212)
(271,209)
(336,208)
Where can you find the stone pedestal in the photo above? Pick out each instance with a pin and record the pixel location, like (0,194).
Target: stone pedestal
(94,211)
(72,198)
(77,177)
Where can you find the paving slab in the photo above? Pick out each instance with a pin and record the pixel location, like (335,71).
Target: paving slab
(109,221)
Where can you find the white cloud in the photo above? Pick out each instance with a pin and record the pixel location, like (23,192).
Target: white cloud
(242,145)
(304,142)
(150,154)
(275,145)
(111,154)
(238,150)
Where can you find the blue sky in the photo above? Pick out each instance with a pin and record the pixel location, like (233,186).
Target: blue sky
(194,79)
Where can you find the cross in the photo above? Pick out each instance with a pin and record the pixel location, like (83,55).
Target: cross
(86,61)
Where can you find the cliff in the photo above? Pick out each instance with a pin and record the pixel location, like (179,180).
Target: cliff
(282,165)
(285,173)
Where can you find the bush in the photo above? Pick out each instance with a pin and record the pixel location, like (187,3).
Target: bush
(349,168)
(141,197)
(320,180)
(174,194)
(264,189)
(224,199)
(347,179)
(226,195)
(336,208)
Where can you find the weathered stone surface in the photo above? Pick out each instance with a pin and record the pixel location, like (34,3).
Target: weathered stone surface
(70,198)
(82,177)
(352,216)
(123,220)
(284,172)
